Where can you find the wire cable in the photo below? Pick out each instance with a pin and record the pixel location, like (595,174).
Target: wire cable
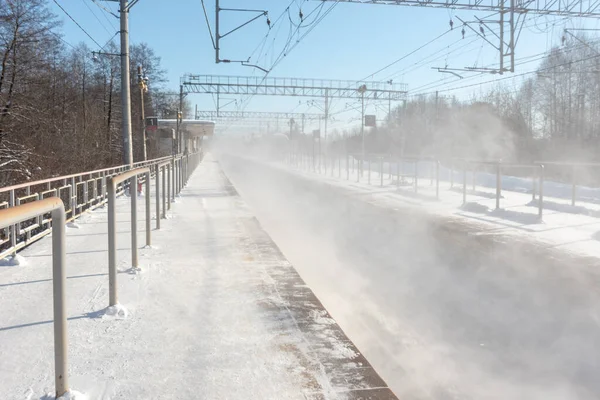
(76,23)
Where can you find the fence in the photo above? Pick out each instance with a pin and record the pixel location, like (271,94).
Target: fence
(535,172)
(105,186)
(79,192)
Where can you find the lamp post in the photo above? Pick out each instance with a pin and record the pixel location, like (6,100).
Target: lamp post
(362,89)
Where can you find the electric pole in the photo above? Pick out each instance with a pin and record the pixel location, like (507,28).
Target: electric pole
(142,83)
(125,79)
(362,89)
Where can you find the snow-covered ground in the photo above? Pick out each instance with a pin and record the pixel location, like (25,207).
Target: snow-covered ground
(216,313)
(445,303)
(571,228)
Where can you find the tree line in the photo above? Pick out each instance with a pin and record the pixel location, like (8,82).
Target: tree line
(550,114)
(60,108)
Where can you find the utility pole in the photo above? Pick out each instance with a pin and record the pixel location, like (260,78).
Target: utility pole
(326,118)
(362,89)
(180,120)
(125,91)
(143,84)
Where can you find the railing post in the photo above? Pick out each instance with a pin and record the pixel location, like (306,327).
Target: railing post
(398,174)
(381,172)
(148,218)
(541,192)
(164,191)
(347,167)
(464,183)
(103,186)
(498,185)
(574,188)
(59,281)
(533,186)
(157,194)
(169,186)
(172,177)
(85,195)
(133,192)
(416,176)
(451,174)
(13,228)
(431,173)
(437,179)
(73,192)
(112,243)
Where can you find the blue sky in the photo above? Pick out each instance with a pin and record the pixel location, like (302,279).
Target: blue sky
(352,42)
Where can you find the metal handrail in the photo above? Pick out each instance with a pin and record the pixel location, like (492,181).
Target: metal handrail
(80,193)
(14,215)
(112,224)
(499,164)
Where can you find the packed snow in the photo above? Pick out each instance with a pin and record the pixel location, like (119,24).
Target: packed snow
(212,313)
(445,301)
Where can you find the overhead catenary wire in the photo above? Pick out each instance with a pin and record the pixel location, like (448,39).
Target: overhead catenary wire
(512,76)
(212,38)
(76,23)
(521,61)
(85,2)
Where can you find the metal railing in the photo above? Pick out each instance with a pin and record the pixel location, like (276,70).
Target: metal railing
(113,182)
(36,207)
(80,193)
(54,205)
(361,169)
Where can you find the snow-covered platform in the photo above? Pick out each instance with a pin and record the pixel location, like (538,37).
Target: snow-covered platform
(217,312)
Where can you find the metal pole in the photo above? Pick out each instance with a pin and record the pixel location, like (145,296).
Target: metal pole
(148,228)
(381,172)
(347,167)
(369,178)
(142,86)
(437,179)
(125,82)
(498,185)
(112,243)
(541,191)
(164,191)
(133,192)
(416,176)
(157,193)
(398,174)
(168,188)
(464,183)
(574,187)
(13,228)
(59,280)
(362,127)
(172,178)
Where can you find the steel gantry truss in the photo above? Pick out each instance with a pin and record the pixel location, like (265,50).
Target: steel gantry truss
(327,88)
(254,115)
(575,8)
(511,16)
